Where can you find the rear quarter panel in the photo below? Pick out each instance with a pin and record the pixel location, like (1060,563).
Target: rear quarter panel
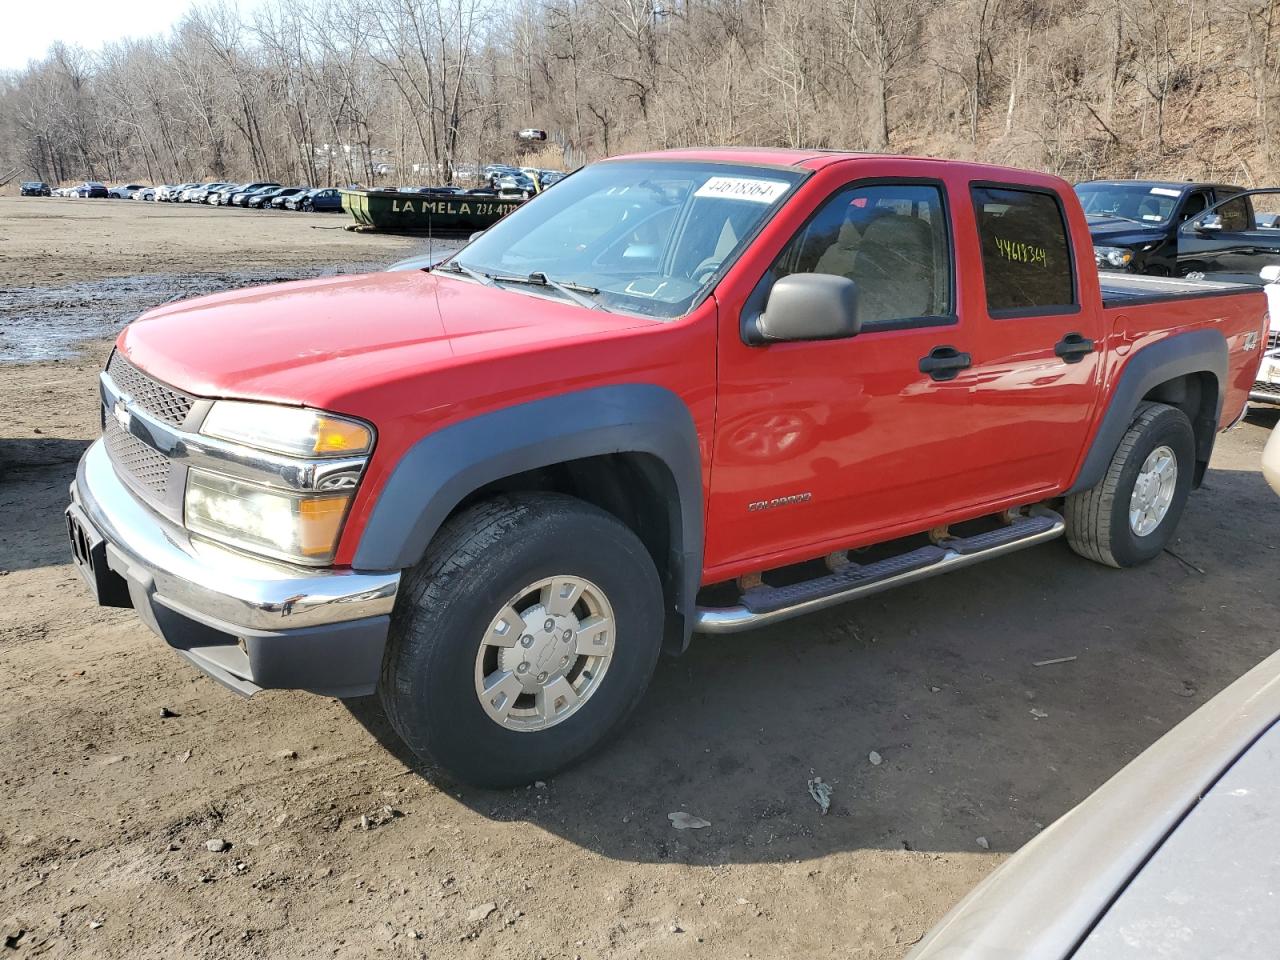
(1239,317)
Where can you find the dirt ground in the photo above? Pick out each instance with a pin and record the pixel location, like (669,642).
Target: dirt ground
(118,762)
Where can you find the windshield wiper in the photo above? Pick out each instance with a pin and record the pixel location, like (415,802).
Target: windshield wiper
(1113,216)
(579,293)
(453,266)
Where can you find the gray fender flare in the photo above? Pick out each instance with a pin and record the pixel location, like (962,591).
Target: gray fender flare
(1198,351)
(441,469)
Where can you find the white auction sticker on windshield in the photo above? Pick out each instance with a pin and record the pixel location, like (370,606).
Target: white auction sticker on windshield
(743,188)
(1165,192)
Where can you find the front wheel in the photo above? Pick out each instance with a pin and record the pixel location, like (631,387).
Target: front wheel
(523,639)
(1129,517)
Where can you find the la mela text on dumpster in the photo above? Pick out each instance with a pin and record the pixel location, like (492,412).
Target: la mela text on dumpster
(451,208)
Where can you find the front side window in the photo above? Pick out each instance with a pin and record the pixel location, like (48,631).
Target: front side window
(1234,214)
(1254,211)
(1026,252)
(637,236)
(891,240)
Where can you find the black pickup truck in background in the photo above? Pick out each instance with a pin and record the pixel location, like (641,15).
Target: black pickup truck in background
(1135,223)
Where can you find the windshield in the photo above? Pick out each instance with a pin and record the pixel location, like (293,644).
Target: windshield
(1139,202)
(638,236)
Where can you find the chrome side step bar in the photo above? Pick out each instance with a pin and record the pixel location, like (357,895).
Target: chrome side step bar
(763,605)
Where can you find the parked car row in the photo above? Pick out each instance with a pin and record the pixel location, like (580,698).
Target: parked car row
(502,180)
(262,194)
(90,189)
(511,181)
(257,195)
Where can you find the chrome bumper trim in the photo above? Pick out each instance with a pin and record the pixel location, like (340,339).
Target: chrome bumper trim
(215,583)
(735,619)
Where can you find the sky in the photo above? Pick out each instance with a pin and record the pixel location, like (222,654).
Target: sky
(30,27)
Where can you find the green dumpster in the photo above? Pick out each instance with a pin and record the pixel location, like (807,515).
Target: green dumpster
(424,213)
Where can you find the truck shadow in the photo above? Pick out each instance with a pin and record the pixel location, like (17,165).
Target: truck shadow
(34,477)
(1266,417)
(941,681)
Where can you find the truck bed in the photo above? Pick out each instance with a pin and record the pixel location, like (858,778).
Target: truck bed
(1131,289)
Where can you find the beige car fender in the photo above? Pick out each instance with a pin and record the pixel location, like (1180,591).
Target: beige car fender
(1271,459)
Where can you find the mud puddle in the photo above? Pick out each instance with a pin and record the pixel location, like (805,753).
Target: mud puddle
(49,322)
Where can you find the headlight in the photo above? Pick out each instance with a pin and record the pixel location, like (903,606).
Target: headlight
(289,430)
(278,523)
(1113,256)
(256,513)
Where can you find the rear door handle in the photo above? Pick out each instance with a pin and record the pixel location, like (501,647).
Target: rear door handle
(943,363)
(1073,347)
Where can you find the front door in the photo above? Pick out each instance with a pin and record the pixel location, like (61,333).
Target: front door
(821,441)
(1234,240)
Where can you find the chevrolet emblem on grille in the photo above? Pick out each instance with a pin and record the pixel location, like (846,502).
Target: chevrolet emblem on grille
(121,412)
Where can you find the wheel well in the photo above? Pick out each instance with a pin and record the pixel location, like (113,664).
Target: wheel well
(638,489)
(1196,395)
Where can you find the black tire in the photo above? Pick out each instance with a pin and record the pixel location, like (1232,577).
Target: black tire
(307,206)
(481,559)
(1098,525)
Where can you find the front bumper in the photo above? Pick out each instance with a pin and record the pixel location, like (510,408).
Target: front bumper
(1266,389)
(249,623)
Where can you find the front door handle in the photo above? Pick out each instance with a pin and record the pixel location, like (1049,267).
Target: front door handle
(1073,347)
(943,363)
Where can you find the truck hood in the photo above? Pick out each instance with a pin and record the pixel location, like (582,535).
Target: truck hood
(316,342)
(1110,232)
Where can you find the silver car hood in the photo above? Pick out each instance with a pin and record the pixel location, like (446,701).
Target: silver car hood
(1044,901)
(1213,888)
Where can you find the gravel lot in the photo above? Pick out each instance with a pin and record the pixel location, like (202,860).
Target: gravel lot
(119,763)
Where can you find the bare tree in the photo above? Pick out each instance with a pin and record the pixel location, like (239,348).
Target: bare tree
(885,33)
(333,91)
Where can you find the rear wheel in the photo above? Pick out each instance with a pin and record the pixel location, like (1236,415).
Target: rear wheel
(523,639)
(1130,516)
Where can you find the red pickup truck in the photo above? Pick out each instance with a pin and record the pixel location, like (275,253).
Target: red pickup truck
(674,393)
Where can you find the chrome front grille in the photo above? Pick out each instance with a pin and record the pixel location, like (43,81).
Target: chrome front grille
(1273,340)
(161,401)
(149,468)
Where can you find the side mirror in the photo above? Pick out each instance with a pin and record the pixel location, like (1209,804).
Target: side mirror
(1208,224)
(808,306)
(475,236)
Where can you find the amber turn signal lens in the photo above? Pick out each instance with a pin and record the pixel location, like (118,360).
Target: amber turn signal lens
(319,521)
(340,436)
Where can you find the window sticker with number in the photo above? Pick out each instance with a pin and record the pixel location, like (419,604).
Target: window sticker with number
(743,188)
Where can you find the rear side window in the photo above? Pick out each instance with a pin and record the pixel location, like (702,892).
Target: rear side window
(1026,255)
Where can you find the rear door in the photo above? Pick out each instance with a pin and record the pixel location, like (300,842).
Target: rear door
(1036,376)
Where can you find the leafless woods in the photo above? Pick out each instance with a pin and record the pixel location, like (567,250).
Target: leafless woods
(333,91)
